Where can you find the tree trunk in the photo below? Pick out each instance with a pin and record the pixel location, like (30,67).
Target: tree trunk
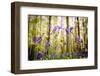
(78,27)
(67,34)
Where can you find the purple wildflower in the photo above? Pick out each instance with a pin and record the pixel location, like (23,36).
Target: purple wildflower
(83,54)
(80,54)
(48,43)
(67,30)
(39,55)
(71,29)
(35,39)
(59,27)
(38,39)
(79,39)
(52,55)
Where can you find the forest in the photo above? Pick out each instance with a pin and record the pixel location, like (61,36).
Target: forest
(57,37)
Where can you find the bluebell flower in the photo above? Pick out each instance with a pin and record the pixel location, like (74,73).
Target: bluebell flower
(71,29)
(35,39)
(83,54)
(79,39)
(48,43)
(39,55)
(52,55)
(38,39)
(67,30)
(59,27)
(80,54)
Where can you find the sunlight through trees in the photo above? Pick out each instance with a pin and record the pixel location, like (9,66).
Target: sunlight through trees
(57,37)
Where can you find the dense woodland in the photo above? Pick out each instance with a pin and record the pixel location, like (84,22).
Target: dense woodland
(57,37)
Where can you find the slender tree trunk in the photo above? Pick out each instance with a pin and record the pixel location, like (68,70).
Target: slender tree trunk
(67,34)
(48,33)
(75,38)
(62,33)
(78,27)
(49,28)
(85,32)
